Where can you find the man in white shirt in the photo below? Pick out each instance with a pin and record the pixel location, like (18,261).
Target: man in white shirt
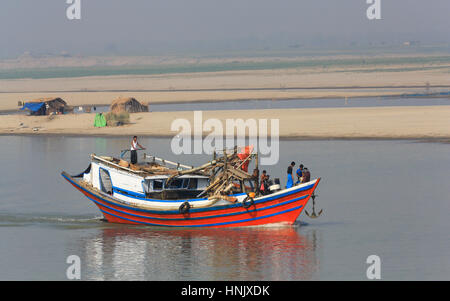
(134,148)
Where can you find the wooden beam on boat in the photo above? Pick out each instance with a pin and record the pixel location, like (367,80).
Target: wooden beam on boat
(239,173)
(164,161)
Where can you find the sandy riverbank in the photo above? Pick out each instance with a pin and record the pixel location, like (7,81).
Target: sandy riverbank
(431,122)
(371,77)
(319,81)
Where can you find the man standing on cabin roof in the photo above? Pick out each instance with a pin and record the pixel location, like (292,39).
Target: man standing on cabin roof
(134,148)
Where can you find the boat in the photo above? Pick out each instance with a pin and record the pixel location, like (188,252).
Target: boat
(219,193)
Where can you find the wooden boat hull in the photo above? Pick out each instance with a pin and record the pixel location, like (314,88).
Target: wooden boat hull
(282,207)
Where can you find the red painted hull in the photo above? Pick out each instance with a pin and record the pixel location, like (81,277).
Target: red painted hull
(284,208)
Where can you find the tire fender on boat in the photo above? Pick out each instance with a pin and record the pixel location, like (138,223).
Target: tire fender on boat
(184,208)
(247,202)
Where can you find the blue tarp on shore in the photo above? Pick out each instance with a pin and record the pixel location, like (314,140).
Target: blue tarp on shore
(33,107)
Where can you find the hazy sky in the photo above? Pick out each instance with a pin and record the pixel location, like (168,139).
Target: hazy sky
(150,26)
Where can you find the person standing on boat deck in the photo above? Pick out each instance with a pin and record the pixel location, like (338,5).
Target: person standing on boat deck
(134,148)
(264,179)
(299,174)
(290,179)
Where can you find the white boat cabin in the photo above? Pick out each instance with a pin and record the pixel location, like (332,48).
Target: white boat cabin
(125,183)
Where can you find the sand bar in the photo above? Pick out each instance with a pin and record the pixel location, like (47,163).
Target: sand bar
(415,122)
(287,83)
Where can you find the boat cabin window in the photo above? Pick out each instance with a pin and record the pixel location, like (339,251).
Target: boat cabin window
(158,184)
(189,183)
(192,183)
(176,184)
(185,183)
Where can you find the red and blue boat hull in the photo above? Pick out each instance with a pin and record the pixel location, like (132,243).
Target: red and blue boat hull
(283,207)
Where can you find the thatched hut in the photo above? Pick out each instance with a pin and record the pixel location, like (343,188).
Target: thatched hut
(127,104)
(46,106)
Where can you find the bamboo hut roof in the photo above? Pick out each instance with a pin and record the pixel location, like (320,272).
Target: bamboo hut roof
(120,104)
(47,100)
(124,100)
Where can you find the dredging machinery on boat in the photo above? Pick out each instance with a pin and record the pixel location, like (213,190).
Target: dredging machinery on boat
(219,193)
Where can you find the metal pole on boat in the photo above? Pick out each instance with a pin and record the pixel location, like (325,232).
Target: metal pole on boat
(257,172)
(226,159)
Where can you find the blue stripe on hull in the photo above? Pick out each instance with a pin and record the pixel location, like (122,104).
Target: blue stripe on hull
(139,196)
(204,225)
(201,217)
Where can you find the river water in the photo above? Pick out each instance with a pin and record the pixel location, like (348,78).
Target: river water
(384,198)
(264,104)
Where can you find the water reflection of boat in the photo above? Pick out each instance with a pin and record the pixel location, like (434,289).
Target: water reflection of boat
(201,254)
(219,193)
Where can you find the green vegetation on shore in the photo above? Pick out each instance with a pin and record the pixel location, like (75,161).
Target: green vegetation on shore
(428,62)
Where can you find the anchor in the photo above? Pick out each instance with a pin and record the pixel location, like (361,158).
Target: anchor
(313,214)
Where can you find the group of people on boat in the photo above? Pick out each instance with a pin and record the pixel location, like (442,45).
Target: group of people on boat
(302,173)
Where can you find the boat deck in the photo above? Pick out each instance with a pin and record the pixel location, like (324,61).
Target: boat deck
(143,169)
